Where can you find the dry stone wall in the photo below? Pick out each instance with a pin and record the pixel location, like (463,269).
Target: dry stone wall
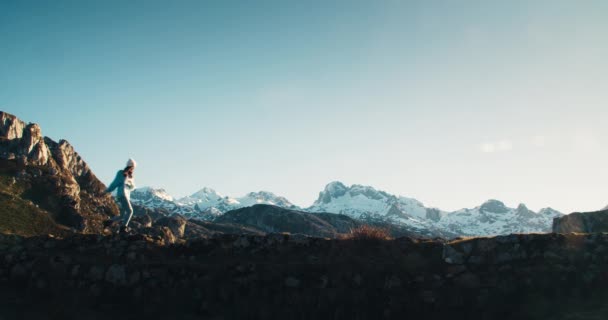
(296,277)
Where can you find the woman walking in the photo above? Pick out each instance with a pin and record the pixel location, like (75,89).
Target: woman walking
(124,183)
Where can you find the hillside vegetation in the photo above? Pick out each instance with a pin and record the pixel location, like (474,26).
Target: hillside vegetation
(21,216)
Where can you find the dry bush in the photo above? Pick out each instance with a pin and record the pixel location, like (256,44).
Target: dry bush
(366,232)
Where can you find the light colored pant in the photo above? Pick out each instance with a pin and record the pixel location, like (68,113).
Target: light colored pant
(126,211)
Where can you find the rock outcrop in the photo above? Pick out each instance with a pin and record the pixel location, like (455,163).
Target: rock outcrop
(585,222)
(53,176)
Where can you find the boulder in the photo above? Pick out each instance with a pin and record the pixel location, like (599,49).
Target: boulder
(177,224)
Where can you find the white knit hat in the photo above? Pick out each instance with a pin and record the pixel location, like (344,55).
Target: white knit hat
(131,163)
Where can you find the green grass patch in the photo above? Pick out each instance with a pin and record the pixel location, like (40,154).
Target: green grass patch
(20,216)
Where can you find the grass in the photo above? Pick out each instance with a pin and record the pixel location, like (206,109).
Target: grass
(367,233)
(20,216)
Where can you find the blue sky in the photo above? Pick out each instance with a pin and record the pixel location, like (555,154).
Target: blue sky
(450,102)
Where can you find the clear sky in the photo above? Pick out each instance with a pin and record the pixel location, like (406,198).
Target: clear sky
(449,102)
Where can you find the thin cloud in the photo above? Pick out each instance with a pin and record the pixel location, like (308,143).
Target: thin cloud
(487,147)
(539,141)
(585,141)
(497,146)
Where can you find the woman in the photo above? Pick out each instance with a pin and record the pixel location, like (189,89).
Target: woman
(124,184)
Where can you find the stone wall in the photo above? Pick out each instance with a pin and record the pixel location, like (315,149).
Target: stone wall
(295,277)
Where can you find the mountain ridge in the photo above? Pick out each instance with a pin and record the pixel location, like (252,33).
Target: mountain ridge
(367,203)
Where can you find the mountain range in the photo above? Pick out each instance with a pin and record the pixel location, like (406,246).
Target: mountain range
(364,203)
(46,185)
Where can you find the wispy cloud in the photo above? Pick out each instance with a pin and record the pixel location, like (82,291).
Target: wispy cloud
(585,141)
(497,146)
(539,141)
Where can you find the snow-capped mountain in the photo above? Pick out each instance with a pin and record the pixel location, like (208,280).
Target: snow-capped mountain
(359,200)
(265,197)
(367,204)
(151,194)
(206,204)
(159,199)
(491,218)
(494,218)
(208,198)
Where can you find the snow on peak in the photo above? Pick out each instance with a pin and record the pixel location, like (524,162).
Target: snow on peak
(364,201)
(205,195)
(494,206)
(262,195)
(550,212)
(206,192)
(332,190)
(494,218)
(336,190)
(335,186)
(158,199)
(370,192)
(208,202)
(265,197)
(147,192)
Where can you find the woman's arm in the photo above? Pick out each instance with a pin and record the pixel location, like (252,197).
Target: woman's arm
(114,183)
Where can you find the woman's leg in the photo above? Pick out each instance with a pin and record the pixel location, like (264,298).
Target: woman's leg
(128,212)
(121,211)
(125,210)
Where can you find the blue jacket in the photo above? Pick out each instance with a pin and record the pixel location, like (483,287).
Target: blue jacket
(124,185)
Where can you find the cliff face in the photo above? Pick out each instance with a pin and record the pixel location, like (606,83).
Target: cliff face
(52,176)
(584,222)
(544,276)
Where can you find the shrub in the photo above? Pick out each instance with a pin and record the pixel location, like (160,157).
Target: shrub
(366,232)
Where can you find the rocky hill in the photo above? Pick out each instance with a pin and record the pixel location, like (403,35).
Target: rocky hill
(50,180)
(272,219)
(292,277)
(585,222)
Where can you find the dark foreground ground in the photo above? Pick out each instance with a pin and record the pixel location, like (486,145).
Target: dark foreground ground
(291,277)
